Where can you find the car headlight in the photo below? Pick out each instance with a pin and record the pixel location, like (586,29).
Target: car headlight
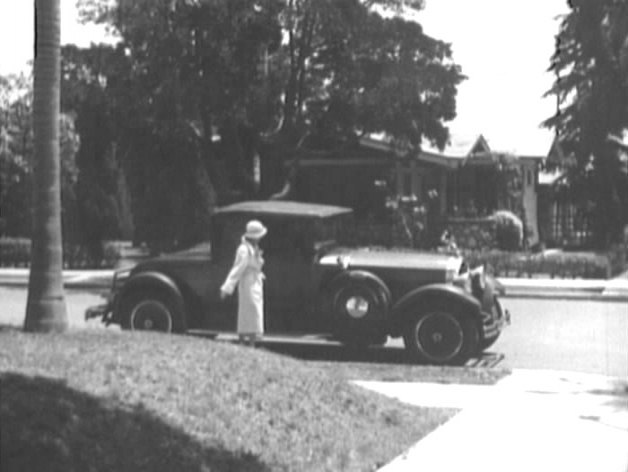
(478,278)
(452,271)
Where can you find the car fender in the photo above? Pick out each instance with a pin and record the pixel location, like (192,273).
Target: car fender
(371,279)
(155,280)
(427,294)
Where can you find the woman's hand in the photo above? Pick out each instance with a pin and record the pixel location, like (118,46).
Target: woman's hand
(223,294)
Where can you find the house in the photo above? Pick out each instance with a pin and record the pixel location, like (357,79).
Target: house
(349,176)
(468,178)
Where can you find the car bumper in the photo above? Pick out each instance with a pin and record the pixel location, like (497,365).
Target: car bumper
(492,325)
(102,311)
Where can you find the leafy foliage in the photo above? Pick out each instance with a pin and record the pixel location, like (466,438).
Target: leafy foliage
(591,64)
(508,230)
(16,252)
(352,71)
(222,83)
(181,72)
(16,159)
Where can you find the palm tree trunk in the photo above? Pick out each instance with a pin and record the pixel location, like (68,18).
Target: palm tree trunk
(46,309)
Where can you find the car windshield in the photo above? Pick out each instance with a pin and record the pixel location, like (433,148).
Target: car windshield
(331,229)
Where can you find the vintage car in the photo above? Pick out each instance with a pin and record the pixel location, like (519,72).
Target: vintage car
(316,284)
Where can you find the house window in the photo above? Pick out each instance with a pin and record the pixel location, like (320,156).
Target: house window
(406,189)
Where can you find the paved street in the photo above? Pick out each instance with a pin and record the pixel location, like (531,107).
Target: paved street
(576,335)
(13,306)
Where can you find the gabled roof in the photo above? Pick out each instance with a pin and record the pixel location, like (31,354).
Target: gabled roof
(465,149)
(480,147)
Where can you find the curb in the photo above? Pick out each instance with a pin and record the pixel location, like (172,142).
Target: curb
(79,279)
(577,289)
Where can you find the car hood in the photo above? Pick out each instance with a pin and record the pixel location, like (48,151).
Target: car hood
(375,258)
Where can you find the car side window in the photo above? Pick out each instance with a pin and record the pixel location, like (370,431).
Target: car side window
(287,239)
(227,233)
(279,241)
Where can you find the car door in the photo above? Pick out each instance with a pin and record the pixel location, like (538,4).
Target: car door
(219,314)
(288,295)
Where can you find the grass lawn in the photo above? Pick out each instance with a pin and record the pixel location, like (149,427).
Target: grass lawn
(120,401)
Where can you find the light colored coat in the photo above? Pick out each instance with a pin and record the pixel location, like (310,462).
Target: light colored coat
(247,275)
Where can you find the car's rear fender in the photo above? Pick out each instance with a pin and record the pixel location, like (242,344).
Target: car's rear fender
(427,295)
(154,281)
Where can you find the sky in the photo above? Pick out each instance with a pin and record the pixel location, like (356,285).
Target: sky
(503,46)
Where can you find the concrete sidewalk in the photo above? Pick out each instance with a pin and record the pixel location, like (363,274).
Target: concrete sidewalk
(616,288)
(95,279)
(530,421)
(613,289)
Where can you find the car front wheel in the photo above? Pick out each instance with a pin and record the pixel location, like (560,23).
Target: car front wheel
(150,311)
(441,337)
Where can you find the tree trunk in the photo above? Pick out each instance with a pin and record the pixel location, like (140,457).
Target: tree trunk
(46,309)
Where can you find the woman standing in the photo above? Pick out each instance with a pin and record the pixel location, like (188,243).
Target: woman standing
(247,275)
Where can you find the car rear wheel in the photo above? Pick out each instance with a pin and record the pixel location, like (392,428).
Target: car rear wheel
(149,310)
(440,336)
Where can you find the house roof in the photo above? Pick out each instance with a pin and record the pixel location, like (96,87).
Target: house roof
(467,149)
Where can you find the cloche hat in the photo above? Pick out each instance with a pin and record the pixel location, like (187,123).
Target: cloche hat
(255,230)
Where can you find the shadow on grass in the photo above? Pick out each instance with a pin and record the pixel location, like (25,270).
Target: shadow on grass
(46,425)
(4,327)
(339,353)
(373,355)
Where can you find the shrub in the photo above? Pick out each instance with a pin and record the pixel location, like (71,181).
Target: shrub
(508,230)
(563,264)
(16,252)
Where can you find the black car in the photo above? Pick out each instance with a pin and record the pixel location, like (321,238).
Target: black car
(315,284)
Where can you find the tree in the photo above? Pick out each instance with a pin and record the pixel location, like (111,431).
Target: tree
(46,308)
(591,65)
(349,70)
(182,72)
(16,145)
(235,79)
(16,158)
(390,77)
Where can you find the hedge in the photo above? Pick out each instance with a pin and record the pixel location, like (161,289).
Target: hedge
(16,252)
(560,264)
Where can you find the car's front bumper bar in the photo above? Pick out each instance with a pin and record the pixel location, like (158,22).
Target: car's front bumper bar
(99,311)
(492,325)
(103,311)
